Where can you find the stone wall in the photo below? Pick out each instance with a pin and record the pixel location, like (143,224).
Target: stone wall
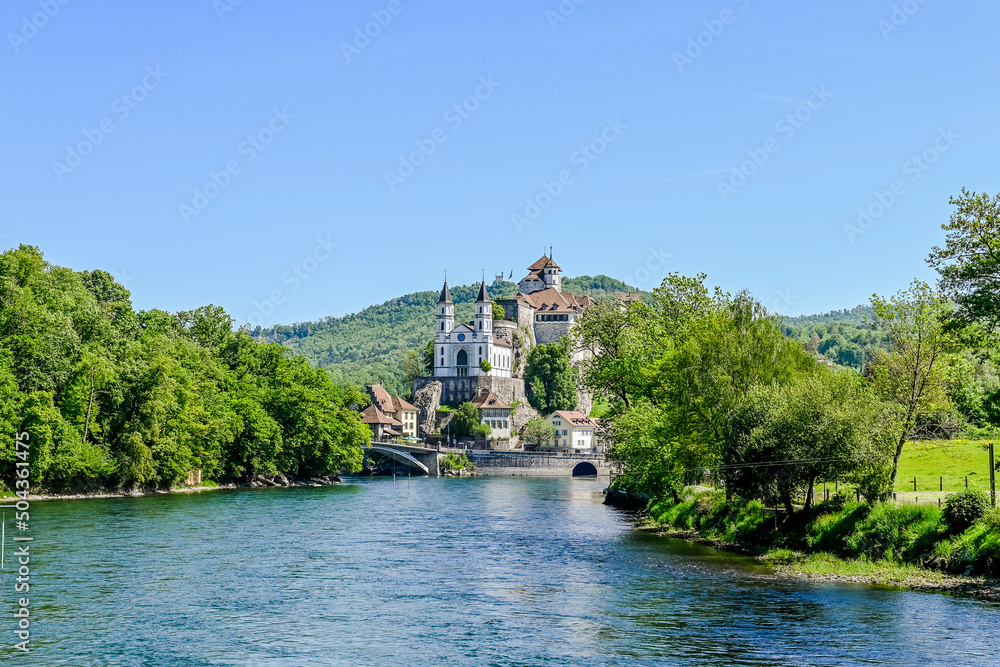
(551,332)
(519,464)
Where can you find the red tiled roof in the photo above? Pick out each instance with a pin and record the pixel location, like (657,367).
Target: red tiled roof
(401,404)
(552,300)
(544,263)
(380,397)
(487,399)
(576,418)
(372,415)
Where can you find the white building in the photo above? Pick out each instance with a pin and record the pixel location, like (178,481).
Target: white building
(574,431)
(459,351)
(494,413)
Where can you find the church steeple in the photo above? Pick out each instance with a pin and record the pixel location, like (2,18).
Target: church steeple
(484,311)
(446,312)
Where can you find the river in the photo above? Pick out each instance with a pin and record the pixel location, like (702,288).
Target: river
(481,571)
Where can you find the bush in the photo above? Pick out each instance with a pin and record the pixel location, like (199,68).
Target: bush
(992,520)
(964,508)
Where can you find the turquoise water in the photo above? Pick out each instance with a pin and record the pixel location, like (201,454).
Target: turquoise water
(483,571)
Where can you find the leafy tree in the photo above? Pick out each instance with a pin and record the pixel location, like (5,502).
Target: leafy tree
(969,264)
(466,419)
(823,425)
(912,379)
(413,366)
(538,431)
(498,312)
(485,366)
(549,379)
(674,372)
(115,398)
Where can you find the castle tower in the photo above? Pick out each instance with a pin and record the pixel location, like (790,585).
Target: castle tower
(445,314)
(552,274)
(484,313)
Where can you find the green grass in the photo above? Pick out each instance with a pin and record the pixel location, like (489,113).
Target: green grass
(927,460)
(883,571)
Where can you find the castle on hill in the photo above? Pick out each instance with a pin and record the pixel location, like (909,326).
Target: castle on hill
(488,348)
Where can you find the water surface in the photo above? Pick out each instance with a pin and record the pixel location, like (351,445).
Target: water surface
(485,571)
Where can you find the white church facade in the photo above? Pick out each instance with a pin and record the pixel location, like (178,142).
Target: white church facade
(469,349)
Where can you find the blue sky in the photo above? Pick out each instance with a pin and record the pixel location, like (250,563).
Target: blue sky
(273,159)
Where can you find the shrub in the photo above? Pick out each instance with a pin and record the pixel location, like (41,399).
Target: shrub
(964,508)
(992,520)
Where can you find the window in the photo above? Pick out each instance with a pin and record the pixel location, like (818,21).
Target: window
(480,325)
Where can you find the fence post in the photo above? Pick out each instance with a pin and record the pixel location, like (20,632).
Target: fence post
(941,483)
(914,483)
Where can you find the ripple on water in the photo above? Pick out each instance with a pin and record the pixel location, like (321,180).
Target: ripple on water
(505,571)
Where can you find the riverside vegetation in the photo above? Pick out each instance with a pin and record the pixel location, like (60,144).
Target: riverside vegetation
(704,388)
(115,399)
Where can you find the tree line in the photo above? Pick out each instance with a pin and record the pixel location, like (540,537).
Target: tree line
(115,398)
(705,385)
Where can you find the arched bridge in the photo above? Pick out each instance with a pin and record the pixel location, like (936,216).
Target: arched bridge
(498,463)
(420,459)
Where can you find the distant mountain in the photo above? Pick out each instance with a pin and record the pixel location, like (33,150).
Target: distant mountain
(369,346)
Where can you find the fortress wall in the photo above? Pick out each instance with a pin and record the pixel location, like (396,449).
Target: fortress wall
(507,464)
(551,332)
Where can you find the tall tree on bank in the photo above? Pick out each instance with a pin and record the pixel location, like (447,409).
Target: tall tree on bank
(912,378)
(549,379)
(969,264)
(674,372)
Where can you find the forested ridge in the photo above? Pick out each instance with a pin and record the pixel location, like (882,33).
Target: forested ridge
(370,346)
(117,399)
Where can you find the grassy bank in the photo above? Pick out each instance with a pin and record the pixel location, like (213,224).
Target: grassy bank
(889,543)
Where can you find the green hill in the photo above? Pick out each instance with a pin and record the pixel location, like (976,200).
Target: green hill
(369,346)
(843,336)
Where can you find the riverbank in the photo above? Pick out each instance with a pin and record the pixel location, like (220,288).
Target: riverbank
(258,482)
(885,545)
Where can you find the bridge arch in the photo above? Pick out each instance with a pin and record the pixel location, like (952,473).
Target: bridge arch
(585,469)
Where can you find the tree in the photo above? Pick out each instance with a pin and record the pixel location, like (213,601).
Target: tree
(969,264)
(912,378)
(823,425)
(538,431)
(485,366)
(413,366)
(465,420)
(498,312)
(549,379)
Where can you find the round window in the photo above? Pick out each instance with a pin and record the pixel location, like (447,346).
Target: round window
(461,336)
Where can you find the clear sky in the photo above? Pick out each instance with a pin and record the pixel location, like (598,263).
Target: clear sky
(273,159)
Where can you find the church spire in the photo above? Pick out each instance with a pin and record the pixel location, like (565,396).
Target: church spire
(483,296)
(445,292)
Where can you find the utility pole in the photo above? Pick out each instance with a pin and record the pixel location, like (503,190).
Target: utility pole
(993,473)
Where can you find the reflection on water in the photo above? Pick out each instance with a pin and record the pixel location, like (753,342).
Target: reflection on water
(486,571)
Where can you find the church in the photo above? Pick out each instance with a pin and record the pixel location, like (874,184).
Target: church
(484,347)
(469,349)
